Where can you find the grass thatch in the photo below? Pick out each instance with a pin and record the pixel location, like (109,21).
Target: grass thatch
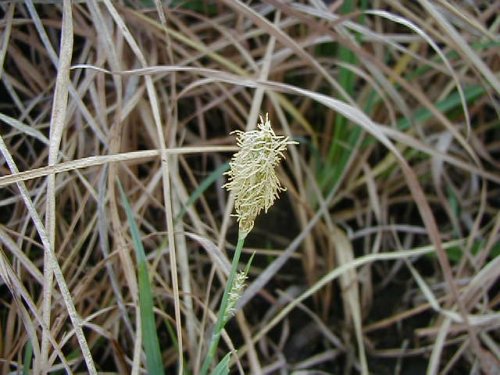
(381,257)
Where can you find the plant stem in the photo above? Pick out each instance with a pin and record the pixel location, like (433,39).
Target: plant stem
(221,321)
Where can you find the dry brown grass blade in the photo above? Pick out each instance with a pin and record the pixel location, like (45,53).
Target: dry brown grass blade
(418,195)
(54,265)
(21,294)
(103,228)
(56,129)
(17,253)
(462,45)
(6,36)
(332,275)
(167,196)
(92,161)
(152,97)
(451,71)
(57,125)
(214,253)
(350,290)
(7,275)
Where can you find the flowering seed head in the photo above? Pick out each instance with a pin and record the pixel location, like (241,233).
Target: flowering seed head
(252,176)
(235,294)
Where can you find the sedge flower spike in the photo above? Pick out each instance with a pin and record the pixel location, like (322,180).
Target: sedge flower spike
(234,294)
(252,175)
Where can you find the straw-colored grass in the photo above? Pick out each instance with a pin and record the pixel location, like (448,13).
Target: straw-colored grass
(382,255)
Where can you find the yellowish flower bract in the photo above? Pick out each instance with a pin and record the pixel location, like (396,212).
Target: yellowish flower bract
(252,175)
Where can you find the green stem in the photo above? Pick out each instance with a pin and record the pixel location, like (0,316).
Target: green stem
(219,325)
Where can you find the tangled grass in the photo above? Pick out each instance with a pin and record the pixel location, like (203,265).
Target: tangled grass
(381,256)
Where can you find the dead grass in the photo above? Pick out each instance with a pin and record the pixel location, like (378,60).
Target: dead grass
(382,256)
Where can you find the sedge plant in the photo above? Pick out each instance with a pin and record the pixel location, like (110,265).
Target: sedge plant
(255,186)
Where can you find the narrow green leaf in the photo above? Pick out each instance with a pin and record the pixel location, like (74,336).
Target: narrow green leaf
(345,136)
(222,367)
(150,341)
(445,105)
(219,325)
(28,355)
(204,185)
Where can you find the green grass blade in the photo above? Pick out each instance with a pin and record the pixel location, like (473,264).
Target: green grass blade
(345,135)
(451,102)
(204,185)
(28,355)
(150,338)
(222,367)
(219,325)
